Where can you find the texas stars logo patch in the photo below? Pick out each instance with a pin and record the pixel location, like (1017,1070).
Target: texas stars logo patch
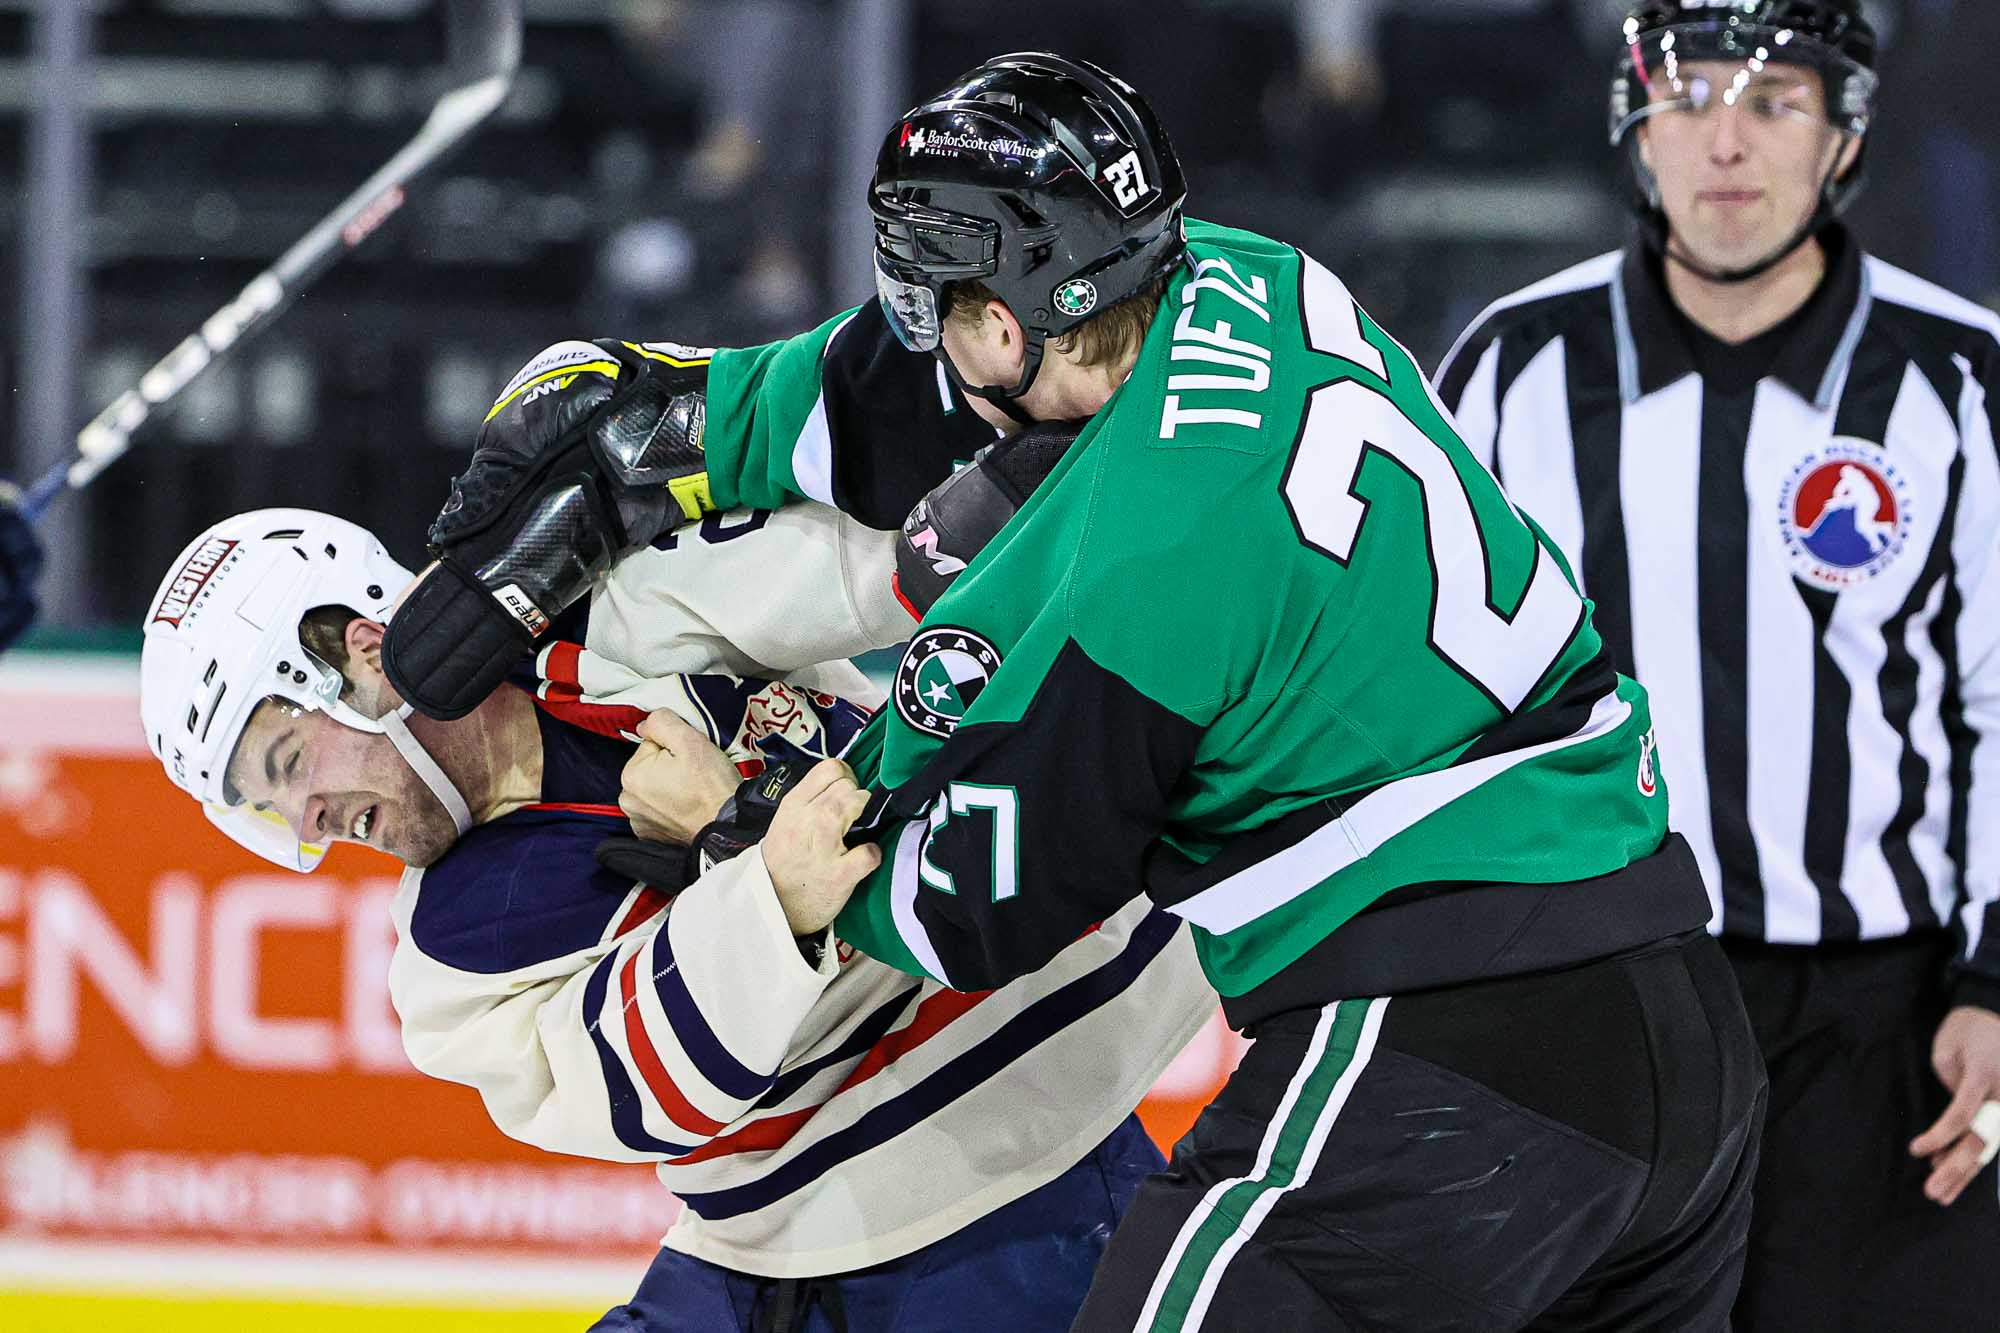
(941,674)
(1078,296)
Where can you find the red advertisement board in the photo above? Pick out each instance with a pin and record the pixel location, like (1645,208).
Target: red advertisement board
(195,1045)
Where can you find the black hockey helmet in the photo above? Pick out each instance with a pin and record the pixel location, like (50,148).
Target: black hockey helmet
(1830,36)
(1045,178)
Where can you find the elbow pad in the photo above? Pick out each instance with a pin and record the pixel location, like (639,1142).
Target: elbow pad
(952,525)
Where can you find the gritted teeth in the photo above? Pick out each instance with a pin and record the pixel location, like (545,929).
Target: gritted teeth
(363,822)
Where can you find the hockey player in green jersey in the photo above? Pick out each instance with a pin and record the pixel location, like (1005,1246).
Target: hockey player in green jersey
(1262,641)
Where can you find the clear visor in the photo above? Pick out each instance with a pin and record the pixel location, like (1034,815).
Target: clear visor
(912,310)
(266,833)
(1770,79)
(258,790)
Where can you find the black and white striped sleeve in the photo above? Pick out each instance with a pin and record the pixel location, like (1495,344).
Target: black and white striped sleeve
(1468,382)
(1976,585)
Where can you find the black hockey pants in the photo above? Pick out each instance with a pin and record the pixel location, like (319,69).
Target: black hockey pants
(1843,1239)
(1570,1150)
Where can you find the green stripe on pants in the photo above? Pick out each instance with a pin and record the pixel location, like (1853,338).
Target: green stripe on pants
(1294,1138)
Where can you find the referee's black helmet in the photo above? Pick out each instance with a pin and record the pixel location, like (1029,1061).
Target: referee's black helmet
(1833,37)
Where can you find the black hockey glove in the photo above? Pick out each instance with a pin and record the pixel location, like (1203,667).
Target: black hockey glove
(20,566)
(966,510)
(740,825)
(665,866)
(593,451)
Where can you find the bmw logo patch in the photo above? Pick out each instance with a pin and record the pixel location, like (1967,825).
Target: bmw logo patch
(941,675)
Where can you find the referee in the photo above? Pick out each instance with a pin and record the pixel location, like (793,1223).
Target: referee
(1771,458)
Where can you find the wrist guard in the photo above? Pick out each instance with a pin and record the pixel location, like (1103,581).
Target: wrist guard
(593,451)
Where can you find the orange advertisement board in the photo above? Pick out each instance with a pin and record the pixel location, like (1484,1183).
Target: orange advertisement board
(198,1046)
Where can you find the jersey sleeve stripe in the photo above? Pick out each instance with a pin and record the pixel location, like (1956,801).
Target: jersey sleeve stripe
(857,1044)
(710,1058)
(652,1069)
(1474,403)
(933,1016)
(812,455)
(626,1109)
(1594,272)
(766,1135)
(1233,902)
(1976,655)
(812,451)
(578,808)
(560,664)
(1900,287)
(603,719)
(904,888)
(644,907)
(1034,1024)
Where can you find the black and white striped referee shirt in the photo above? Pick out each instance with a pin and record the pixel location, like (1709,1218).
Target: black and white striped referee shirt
(1803,569)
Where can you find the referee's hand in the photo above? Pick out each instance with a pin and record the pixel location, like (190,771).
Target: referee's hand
(1966,1056)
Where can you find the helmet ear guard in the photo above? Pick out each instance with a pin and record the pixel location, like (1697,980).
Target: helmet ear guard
(951,525)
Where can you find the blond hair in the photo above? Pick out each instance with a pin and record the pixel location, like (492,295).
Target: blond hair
(1108,337)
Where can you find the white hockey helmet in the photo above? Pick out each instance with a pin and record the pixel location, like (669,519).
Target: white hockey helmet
(222,636)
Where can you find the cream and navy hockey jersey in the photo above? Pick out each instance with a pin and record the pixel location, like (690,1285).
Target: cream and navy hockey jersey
(813,1120)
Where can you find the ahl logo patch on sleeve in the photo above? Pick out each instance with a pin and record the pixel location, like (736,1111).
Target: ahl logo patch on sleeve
(941,675)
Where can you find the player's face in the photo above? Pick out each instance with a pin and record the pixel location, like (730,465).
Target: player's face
(333,783)
(1741,160)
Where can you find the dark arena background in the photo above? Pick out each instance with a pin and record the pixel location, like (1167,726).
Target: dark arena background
(206,1118)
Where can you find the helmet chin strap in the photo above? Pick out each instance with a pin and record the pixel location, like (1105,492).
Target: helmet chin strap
(1816,221)
(1004,399)
(1730,277)
(419,759)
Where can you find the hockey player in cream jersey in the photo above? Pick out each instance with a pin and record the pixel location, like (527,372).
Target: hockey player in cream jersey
(834,1127)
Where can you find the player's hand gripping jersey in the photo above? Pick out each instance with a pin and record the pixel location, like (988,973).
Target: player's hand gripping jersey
(814,1119)
(1288,642)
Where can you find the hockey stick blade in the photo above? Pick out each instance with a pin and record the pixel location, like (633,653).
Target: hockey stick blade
(485,42)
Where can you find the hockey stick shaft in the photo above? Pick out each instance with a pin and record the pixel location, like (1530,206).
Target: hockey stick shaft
(485,37)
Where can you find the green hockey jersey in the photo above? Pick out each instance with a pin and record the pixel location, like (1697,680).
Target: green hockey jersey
(1269,644)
